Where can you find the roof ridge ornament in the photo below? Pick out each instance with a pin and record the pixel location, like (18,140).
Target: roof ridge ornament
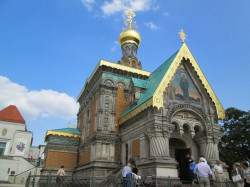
(182,35)
(129,21)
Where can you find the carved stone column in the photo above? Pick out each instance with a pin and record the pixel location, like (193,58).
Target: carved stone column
(144,147)
(192,132)
(217,137)
(166,138)
(84,124)
(208,148)
(97,113)
(100,111)
(112,118)
(159,145)
(216,151)
(209,151)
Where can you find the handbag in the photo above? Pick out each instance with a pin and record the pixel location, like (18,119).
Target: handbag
(237,177)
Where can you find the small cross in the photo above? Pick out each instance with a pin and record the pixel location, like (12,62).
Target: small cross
(182,36)
(130,15)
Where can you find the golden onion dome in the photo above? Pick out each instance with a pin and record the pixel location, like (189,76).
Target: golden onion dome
(129,36)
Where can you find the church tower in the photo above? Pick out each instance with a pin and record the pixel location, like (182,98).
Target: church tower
(129,41)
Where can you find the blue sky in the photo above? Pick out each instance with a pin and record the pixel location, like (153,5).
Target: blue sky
(49,48)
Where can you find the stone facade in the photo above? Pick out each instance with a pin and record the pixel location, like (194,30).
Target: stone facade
(157,139)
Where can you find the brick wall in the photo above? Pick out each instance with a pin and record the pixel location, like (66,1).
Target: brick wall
(85,156)
(92,117)
(121,104)
(117,151)
(57,159)
(136,148)
(81,119)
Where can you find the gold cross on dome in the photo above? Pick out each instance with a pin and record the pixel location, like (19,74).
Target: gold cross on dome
(130,15)
(182,36)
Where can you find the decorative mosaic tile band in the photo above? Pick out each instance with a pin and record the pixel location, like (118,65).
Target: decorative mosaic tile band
(116,78)
(64,141)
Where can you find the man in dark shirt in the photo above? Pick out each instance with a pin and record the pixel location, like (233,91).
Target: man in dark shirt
(186,173)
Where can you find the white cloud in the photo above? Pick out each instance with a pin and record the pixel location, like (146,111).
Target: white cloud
(116,44)
(113,49)
(165,13)
(88,4)
(151,25)
(32,103)
(156,8)
(114,6)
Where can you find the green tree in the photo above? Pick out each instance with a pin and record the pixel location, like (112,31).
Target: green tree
(234,144)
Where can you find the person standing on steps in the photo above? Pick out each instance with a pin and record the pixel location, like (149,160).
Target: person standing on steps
(203,171)
(60,174)
(219,173)
(127,173)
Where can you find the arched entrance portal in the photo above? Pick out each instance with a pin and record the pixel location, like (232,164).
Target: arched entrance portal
(178,150)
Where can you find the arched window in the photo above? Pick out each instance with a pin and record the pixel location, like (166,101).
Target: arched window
(197,129)
(125,62)
(133,64)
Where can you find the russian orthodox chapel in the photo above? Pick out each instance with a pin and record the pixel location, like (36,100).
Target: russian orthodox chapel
(126,112)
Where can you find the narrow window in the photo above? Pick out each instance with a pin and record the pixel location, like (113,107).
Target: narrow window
(2,148)
(107,98)
(106,120)
(133,64)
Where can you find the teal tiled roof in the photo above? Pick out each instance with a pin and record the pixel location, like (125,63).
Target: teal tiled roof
(140,83)
(152,83)
(68,130)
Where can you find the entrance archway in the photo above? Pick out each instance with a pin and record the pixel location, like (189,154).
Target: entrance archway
(178,150)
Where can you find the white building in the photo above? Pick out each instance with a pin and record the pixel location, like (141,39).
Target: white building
(17,157)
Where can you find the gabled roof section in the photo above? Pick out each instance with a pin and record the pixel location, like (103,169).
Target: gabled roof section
(160,79)
(70,132)
(140,83)
(152,83)
(11,114)
(115,66)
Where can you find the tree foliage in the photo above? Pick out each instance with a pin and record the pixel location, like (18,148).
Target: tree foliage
(234,144)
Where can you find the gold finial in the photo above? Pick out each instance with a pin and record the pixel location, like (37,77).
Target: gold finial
(129,34)
(130,14)
(182,36)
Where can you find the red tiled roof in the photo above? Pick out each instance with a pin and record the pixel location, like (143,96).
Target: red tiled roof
(12,114)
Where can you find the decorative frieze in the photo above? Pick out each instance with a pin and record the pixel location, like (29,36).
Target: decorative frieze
(175,108)
(197,110)
(116,79)
(101,138)
(61,148)
(62,141)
